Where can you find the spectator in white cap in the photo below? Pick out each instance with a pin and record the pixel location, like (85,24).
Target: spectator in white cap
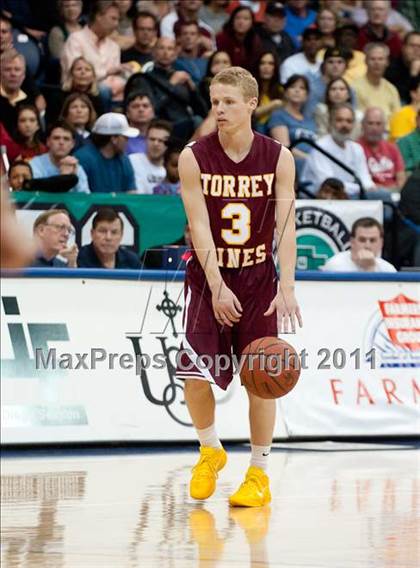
(108,168)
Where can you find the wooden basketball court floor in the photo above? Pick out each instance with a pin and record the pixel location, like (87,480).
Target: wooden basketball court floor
(335,505)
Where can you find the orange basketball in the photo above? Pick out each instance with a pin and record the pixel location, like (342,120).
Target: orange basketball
(271,367)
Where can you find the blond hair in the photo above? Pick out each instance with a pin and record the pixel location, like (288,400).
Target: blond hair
(238,77)
(68,79)
(10,55)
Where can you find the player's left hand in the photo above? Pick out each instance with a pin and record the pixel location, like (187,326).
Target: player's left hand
(287,309)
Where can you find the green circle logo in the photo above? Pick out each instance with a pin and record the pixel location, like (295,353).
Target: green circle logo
(320,235)
(312,252)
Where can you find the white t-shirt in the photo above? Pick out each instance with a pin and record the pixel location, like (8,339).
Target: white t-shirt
(147,175)
(297,64)
(342,262)
(318,168)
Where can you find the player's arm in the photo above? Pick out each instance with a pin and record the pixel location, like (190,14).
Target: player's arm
(285,302)
(16,248)
(226,306)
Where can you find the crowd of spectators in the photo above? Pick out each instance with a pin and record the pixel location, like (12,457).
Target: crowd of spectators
(104,94)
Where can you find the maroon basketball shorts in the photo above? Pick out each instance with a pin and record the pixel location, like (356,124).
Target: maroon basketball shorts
(207,346)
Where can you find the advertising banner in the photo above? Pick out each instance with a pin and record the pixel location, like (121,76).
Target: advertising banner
(89,359)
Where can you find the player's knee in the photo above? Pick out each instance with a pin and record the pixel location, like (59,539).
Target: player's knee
(196,386)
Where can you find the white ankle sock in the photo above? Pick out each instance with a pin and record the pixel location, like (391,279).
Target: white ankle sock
(259,456)
(208,437)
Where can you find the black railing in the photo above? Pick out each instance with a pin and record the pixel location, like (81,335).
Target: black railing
(307,193)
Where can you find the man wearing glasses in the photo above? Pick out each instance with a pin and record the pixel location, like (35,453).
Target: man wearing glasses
(145,28)
(52,230)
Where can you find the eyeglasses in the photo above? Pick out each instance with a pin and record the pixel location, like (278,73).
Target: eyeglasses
(62,228)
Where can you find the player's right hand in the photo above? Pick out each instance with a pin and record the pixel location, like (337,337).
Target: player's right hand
(226,306)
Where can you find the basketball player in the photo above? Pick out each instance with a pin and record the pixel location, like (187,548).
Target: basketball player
(237,186)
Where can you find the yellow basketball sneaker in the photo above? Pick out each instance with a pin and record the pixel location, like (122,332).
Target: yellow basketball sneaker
(204,473)
(254,491)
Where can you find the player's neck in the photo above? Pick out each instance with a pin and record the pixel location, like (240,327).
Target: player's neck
(237,144)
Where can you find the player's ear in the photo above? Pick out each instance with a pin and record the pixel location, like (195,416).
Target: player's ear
(253,103)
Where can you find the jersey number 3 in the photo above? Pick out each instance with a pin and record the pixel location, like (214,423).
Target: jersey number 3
(240,216)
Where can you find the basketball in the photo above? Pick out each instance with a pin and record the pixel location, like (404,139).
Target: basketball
(271,367)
